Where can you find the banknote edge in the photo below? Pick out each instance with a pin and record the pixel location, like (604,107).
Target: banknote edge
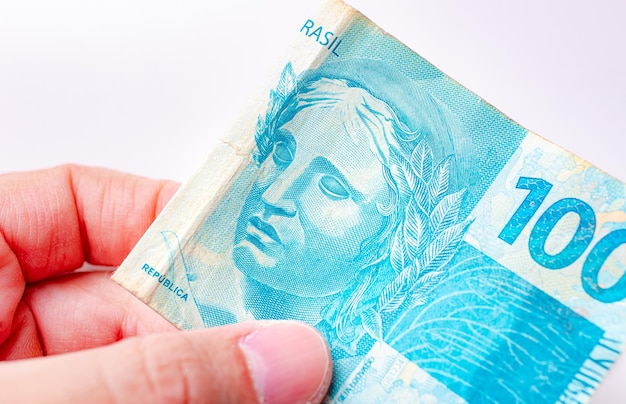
(232,153)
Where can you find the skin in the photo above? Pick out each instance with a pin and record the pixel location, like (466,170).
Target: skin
(65,335)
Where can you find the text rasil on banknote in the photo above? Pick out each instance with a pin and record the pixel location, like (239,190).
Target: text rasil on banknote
(446,253)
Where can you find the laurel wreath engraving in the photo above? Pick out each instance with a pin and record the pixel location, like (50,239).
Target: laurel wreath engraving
(425,240)
(265,127)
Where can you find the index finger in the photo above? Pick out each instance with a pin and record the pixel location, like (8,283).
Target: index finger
(55,220)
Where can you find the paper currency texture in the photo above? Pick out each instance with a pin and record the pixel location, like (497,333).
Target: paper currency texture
(446,253)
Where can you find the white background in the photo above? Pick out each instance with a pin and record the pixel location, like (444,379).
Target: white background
(148,86)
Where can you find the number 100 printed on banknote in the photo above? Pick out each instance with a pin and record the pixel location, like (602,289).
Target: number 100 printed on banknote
(446,253)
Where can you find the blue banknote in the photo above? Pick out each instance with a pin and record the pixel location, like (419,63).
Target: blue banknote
(446,253)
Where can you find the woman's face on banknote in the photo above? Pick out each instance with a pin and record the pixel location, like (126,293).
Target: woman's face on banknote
(313,204)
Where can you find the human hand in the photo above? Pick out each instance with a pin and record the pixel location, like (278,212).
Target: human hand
(51,223)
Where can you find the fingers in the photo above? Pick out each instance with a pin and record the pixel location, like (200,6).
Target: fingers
(273,362)
(87,310)
(53,220)
(23,340)
(114,210)
(11,287)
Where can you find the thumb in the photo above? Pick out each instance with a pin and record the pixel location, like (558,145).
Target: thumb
(269,362)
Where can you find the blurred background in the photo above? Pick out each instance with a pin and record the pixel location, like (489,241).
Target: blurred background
(149,86)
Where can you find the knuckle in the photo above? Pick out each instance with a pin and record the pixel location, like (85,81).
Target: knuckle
(173,370)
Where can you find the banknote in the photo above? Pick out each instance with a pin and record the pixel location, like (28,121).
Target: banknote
(446,253)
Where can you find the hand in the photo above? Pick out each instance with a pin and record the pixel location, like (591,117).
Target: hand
(51,223)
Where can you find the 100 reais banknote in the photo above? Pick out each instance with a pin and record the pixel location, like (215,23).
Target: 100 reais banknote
(446,253)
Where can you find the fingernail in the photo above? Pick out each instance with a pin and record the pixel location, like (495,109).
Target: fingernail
(289,362)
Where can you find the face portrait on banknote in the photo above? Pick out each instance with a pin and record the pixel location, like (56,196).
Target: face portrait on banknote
(317,198)
(355,182)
